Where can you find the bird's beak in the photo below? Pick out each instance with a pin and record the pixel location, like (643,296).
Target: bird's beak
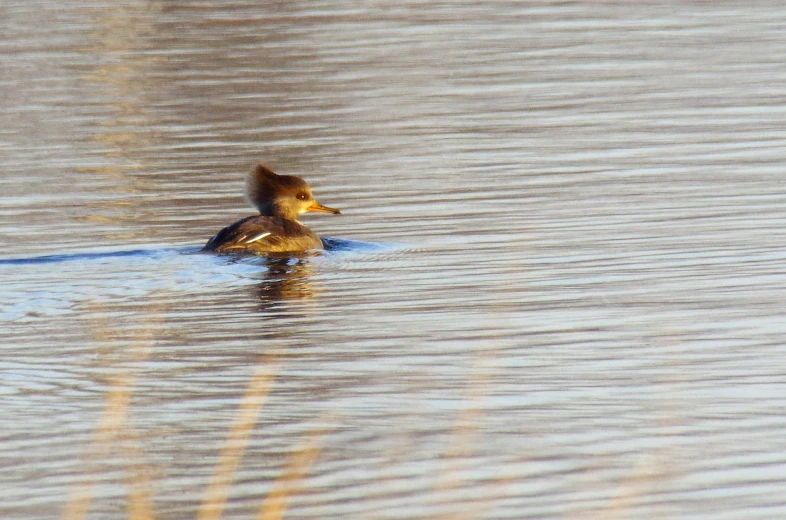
(319,208)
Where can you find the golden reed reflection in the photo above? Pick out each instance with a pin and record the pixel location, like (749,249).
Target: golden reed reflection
(463,441)
(231,455)
(112,424)
(140,489)
(289,482)
(286,485)
(112,433)
(118,42)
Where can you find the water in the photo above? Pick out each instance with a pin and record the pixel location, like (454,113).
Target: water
(556,289)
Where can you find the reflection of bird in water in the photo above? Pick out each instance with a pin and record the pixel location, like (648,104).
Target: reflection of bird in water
(286,279)
(280,199)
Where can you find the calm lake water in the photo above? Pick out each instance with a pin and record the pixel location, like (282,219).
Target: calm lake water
(557,289)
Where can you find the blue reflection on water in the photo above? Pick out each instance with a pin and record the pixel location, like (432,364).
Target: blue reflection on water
(331,244)
(69,257)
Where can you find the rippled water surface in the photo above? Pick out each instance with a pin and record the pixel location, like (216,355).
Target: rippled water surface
(556,290)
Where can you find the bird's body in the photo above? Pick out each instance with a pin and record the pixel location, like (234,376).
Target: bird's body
(260,234)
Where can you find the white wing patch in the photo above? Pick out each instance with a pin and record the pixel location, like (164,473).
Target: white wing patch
(258,237)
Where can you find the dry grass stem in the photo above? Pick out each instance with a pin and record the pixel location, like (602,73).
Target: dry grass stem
(245,420)
(288,484)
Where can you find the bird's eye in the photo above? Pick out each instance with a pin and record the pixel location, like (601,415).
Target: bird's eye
(302,196)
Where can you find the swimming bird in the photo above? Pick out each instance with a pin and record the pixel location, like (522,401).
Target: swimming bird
(279,199)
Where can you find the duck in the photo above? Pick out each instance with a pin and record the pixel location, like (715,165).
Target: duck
(280,199)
